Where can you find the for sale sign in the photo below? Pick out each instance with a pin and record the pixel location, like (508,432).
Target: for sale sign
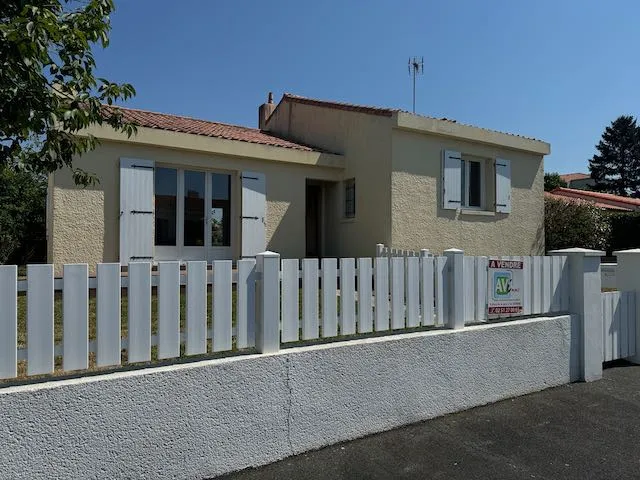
(505,287)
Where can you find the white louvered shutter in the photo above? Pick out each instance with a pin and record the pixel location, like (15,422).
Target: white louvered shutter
(254,211)
(136,210)
(451,180)
(503,185)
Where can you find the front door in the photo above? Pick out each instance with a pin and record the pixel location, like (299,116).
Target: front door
(193,219)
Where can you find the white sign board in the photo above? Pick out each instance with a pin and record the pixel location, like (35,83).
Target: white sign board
(506,282)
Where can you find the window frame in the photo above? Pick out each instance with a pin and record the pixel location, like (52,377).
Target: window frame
(465,174)
(349,187)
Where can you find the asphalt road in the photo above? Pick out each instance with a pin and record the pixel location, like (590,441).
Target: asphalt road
(579,431)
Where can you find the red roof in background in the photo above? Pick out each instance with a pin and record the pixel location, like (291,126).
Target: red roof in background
(570,177)
(595,196)
(194,126)
(567,199)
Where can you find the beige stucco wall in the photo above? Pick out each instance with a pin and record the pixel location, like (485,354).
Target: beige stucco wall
(419,221)
(365,143)
(84,223)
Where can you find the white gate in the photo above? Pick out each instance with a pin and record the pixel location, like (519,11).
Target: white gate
(619,326)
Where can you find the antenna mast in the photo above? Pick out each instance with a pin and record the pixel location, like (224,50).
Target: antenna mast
(416,67)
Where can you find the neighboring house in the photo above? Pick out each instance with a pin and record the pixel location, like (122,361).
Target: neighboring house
(603,200)
(317,179)
(580,181)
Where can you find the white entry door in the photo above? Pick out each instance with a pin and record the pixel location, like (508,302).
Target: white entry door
(193,218)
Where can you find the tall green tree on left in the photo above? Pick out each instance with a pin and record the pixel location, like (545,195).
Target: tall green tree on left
(48,88)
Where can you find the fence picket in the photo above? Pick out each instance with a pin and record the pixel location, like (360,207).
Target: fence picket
(347,316)
(426,290)
(169,310)
(413,291)
(397,293)
(329,297)
(546,284)
(290,301)
(309,298)
(624,324)
(8,321)
(632,324)
(536,281)
(468,284)
(75,304)
(556,289)
(607,313)
(526,285)
(221,309)
(196,309)
(442,308)
(40,339)
(139,312)
(481,289)
(615,337)
(382,293)
(365,300)
(246,303)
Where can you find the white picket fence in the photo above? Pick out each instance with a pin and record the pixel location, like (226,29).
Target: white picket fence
(619,325)
(311,299)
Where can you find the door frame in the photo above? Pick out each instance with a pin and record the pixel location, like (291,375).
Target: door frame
(207,252)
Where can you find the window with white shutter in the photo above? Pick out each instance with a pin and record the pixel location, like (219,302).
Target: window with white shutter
(451,180)
(136,210)
(503,185)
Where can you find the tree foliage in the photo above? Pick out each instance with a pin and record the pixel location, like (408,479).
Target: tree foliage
(572,224)
(22,216)
(616,166)
(552,181)
(48,89)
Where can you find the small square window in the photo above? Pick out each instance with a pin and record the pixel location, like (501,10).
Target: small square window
(350,198)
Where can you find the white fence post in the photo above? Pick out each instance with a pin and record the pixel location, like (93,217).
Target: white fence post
(585,305)
(628,279)
(268,302)
(379,249)
(455,285)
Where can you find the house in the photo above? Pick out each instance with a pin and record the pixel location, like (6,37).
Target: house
(318,178)
(607,201)
(580,181)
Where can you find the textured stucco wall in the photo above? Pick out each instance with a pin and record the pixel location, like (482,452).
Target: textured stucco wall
(419,221)
(203,419)
(365,142)
(85,222)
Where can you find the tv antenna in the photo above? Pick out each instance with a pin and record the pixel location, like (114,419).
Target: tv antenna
(416,67)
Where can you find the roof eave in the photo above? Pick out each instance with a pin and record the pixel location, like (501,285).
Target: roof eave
(217,146)
(445,128)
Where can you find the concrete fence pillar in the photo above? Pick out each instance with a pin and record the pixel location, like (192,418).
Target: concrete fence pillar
(585,305)
(379,249)
(455,286)
(268,302)
(424,252)
(628,280)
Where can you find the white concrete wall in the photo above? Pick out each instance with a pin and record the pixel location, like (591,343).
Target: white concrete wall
(202,419)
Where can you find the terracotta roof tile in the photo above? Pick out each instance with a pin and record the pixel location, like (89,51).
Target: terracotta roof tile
(386,112)
(589,195)
(570,177)
(577,200)
(194,126)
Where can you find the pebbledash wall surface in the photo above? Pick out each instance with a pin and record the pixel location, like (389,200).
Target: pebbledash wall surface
(203,419)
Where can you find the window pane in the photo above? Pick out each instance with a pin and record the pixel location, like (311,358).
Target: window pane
(221,210)
(166,191)
(475,184)
(194,209)
(350,199)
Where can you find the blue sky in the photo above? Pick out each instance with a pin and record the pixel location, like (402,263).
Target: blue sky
(558,70)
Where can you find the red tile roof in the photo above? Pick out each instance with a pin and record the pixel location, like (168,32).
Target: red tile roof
(382,111)
(194,126)
(581,200)
(570,177)
(595,196)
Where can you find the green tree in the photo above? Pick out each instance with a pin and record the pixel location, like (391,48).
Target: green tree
(48,89)
(575,224)
(552,181)
(616,166)
(22,216)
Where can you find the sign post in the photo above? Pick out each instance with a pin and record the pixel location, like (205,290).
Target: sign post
(506,281)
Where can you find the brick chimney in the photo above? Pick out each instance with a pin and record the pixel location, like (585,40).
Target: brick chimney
(265,111)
